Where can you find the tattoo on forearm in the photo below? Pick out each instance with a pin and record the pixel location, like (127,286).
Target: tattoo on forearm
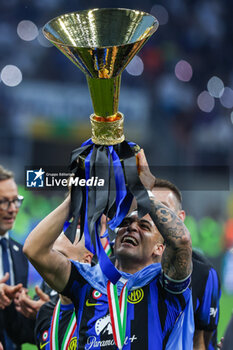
(176,260)
(178,266)
(168,224)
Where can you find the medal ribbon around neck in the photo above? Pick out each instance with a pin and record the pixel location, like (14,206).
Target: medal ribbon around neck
(54,329)
(108,249)
(118,313)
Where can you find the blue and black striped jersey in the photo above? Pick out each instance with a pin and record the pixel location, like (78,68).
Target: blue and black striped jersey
(43,325)
(152,313)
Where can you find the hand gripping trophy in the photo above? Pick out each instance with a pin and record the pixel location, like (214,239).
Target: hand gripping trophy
(101,42)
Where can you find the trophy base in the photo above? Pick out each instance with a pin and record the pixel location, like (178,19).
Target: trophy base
(107,132)
(81,158)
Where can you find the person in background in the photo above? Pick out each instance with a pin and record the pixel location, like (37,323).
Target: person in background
(13,267)
(28,306)
(206,289)
(3,280)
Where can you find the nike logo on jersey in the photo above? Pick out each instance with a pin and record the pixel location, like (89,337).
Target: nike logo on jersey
(91,304)
(43,345)
(53,292)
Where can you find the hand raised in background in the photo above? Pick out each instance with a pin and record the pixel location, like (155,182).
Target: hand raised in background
(7,293)
(27,306)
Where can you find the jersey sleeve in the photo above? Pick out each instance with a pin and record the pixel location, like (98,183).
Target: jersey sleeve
(74,285)
(207,314)
(174,286)
(42,326)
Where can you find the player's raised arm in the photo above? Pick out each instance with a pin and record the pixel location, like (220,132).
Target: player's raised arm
(53,266)
(177,256)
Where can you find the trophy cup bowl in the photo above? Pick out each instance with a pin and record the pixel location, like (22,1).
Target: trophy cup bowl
(101,43)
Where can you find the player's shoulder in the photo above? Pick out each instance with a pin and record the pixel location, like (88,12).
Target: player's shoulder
(201,266)
(203,273)
(199,256)
(46,310)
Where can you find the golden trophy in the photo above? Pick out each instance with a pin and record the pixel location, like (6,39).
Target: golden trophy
(101,42)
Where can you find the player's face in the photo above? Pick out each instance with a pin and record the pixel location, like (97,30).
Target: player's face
(138,239)
(8,191)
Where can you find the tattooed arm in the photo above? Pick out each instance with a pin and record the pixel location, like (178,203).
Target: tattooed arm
(177,256)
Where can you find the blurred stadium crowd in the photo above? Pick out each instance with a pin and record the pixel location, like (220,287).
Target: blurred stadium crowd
(184,75)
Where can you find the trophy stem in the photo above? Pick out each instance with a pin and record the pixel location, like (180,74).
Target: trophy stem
(105,95)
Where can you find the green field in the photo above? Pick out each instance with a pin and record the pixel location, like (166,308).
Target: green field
(226,307)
